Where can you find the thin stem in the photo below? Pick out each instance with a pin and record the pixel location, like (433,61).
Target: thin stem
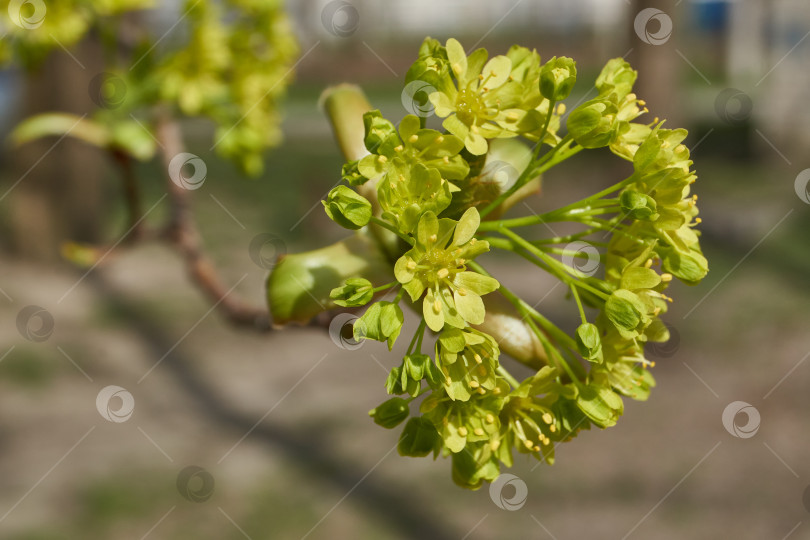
(384,287)
(579,304)
(508,376)
(528,173)
(552,262)
(417,338)
(385,225)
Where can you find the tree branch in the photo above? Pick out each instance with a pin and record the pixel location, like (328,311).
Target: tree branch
(183,234)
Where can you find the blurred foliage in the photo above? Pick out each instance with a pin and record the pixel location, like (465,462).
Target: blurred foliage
(233,67)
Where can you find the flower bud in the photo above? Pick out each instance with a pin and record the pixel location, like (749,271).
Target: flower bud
(638,205)
(347,208)
(355,292)
(557,78)
(390,413)
(593,124)
(588,341)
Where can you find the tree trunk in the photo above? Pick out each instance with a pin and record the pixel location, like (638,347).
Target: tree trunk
(59,192)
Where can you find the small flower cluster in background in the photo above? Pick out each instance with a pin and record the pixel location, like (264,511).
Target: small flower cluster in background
(428,195)
(233,67)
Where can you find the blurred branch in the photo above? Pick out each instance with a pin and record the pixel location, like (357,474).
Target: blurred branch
(132,195)
(182,232)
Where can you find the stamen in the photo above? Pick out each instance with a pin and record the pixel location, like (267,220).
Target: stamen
(443,273)
(462,431)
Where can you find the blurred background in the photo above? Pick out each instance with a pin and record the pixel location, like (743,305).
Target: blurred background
(242,435)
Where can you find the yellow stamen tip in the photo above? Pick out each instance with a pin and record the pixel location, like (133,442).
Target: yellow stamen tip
(490,418)
(462,431)
(443,273)
(413,138)
(547,418)
(478,431)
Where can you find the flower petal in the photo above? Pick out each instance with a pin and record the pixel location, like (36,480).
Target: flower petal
(475,283)
(470,307)
(442,105)
(457,57)
(433,318)
(467,226)
(428,229)
(476,144)
(496,72)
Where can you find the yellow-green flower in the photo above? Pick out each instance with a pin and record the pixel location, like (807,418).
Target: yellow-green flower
(468,360)
(475,105)
(437,264)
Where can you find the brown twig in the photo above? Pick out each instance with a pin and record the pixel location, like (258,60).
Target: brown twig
(182,232)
